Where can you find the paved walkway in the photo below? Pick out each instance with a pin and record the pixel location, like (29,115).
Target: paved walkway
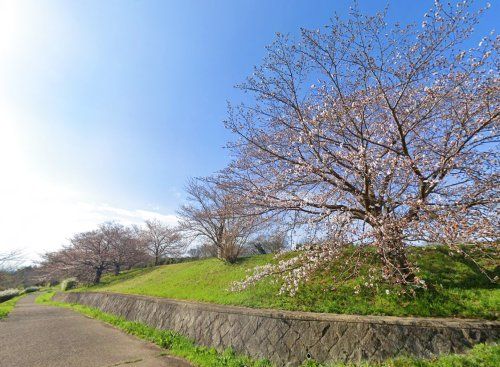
(44,336)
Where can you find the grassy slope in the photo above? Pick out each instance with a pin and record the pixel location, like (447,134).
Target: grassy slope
(7,306)
(460,290)
(175,344)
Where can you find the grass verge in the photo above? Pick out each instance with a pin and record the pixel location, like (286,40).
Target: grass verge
(482,355)
(459,289)
(7,306)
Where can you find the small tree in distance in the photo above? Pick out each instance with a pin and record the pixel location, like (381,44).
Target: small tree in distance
(161,240)
(10,259)
(379,134)
(87,257)
(124,245)
(203,251)
(90,254)
(215,217)
(269,244)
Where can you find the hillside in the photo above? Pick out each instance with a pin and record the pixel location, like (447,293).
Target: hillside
(458,289)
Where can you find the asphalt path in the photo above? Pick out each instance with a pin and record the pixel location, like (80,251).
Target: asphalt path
(44,336)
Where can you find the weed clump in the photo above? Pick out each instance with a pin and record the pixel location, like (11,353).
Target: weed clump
(68,284)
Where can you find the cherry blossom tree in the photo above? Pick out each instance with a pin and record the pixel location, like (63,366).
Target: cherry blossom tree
(10,259)
(87,257)
(215,216)
(380,134)
(90,254)
(124,244)
(161,240)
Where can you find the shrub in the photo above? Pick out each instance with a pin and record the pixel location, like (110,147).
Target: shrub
(51,283)
(68,284)
(8,294)
(30,289)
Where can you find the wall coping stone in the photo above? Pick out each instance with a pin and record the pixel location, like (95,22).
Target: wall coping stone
(434,322)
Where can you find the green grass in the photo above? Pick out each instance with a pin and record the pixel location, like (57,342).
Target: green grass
(459,289)
(481,355)
(7,306)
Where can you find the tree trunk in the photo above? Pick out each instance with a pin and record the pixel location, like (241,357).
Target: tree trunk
(97,275)
(220,255)
(392,252)
(157,260)
(228,252)
(260,249)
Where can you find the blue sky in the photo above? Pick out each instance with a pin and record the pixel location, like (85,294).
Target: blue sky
(107,107)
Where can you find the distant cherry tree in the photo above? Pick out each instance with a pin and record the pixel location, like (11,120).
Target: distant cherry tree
(87,257)
(91,254)
(382,135)
(10,259)
(217,218)
(161,240)
(124,244)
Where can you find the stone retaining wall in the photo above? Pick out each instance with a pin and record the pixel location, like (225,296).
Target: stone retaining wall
(288,338)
